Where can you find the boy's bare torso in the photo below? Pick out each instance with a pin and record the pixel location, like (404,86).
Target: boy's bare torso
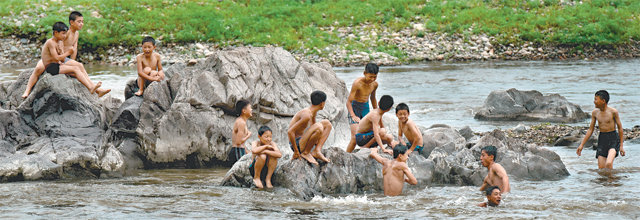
(366,123)
(47,54)
(393,177)
(304,114)
(71,40)
(493,179)
(606,119)
(241,127)
(151,62)
(363,90)
(408,130)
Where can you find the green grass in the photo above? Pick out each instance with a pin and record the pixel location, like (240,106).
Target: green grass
(296,25)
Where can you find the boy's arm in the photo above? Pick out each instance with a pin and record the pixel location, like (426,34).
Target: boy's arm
(374,102)
(589,132)
(375,125)
(410,178)
(273,150)
(414,130)
(75,48)
(620,131)
(400,133)
(160,71)
(351,97)
(54,53)
(141,71)
(304,119)
(374,154)
(500,172)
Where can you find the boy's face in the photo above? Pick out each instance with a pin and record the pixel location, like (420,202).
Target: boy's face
(266,137)
(147,48)
(403,157)
(60,34)
(403,116)
(494,198)
(247,110)
(598,101)
(485,159)
(78,23)
(370,77)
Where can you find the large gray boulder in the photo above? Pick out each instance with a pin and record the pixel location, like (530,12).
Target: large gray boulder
(186,119)
(516,105)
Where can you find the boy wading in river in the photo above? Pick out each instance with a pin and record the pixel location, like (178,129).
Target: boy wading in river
(609,141)
(394,171)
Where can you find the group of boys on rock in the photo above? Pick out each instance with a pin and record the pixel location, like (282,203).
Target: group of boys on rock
(306,135)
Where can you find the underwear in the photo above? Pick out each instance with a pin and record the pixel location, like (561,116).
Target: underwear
(263,172)
(53,69)
(606,141)
(364,138)
(359,109)
(297,144)
(418,147)
(235,154)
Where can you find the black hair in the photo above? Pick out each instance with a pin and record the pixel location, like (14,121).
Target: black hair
(74,15)
(240,104)
(402,106)
(490,189)
(318,97)
(263,129)
(371,68)
(149,39)
(399,149)
(603,94)
(386,101)
(491,151)
(59,26)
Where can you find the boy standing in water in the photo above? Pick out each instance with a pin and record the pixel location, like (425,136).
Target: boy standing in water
(394,171)
(497,176)
(304,132)
(265,152)
(362,89)
(240,131)
(371,132)
(609,141)
(408,128)
(494,196)
(149,65)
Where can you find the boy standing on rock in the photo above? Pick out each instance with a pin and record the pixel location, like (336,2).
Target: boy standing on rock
(304,132)
(371,132)
(240,131)
(362,89)
(265,152)
(497,176)
(394,171)
(149,65)
(408,128)
(609,141)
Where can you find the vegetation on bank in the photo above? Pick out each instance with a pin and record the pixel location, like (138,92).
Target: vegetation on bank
(303,25)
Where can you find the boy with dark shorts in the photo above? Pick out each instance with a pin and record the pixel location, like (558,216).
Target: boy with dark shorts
(362,89)
(265,153)
(371,132)
(406,127)
(609,141)
(240,131)
(149,65)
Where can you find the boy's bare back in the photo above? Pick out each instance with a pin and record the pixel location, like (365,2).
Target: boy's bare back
(302,116)
(393,177)
(362,91)
(240,132)
(366,123)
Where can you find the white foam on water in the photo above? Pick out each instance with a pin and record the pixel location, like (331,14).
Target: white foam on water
(347,200)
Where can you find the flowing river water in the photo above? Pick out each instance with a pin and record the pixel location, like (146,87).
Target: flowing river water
(437,93)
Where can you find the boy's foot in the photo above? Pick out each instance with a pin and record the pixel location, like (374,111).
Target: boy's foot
(93,90)
(320,157)
(138,93)
(25,95)
(309,158)
(258,183)
(269,186)
(102,92)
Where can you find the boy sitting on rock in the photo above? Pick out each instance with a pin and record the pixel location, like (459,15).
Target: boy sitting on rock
(265,152)
(408,128)
(371,132)
(394,171)
(149,65)
(305,133)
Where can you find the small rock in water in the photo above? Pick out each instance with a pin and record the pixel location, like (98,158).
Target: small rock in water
(520,128)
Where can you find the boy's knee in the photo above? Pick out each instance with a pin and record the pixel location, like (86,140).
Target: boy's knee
(326,123)
(383,131)
(263,156)
(146,70)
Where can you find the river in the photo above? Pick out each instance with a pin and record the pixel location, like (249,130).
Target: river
(444,93)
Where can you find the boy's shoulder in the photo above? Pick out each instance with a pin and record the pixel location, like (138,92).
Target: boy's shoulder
(240,121)
(156,55)
(612,109)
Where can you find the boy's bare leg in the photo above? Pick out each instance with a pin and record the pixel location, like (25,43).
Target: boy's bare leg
(257,168)
(317,153)
(308,140)
(352,143)
(610,157)
(68,69)
(101,92)
(387,139)
(140,86)
(271,166)
(33,78)
(601,162)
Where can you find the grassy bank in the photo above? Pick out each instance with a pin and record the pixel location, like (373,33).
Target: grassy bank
(302,25)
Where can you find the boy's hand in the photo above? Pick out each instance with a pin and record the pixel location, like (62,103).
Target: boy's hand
(579,151)
(295,155)
(408,152)
(355,118)
(622,152)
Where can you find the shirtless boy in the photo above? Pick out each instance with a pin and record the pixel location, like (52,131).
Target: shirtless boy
(371,132)
(497,176)
(149,65)
(240,131)
(54,58)
(265,152)
(609,141)
(494,196)
(394,171)
(362,89)
(407,128)
(304,132)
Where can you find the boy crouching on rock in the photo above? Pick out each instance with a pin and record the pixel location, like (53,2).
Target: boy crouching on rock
(394,171)
(149,65)
(265,152)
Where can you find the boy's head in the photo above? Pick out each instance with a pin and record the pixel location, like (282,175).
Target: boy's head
(402,112)
(493,195)
(60,30)
(386,102)
(148,45)
(601,98)
(318,97)
(399,150)
(76,21)
(243,108)
(370,72)
(488,155)
(264,134)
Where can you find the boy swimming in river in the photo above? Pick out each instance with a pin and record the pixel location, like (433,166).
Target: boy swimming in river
(371,132)
(149,65)
(394,171)
(609,141)
(265,152)
(362,89)
(494,197)
(497,176)
(304,132)
(407,128)
(240,131)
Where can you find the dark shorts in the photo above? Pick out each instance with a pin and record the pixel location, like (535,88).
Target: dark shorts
(364,138)
(297,144)
(359,109)
(235,154)
(418,147)
(263,172)
(53,69)
(606,141)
